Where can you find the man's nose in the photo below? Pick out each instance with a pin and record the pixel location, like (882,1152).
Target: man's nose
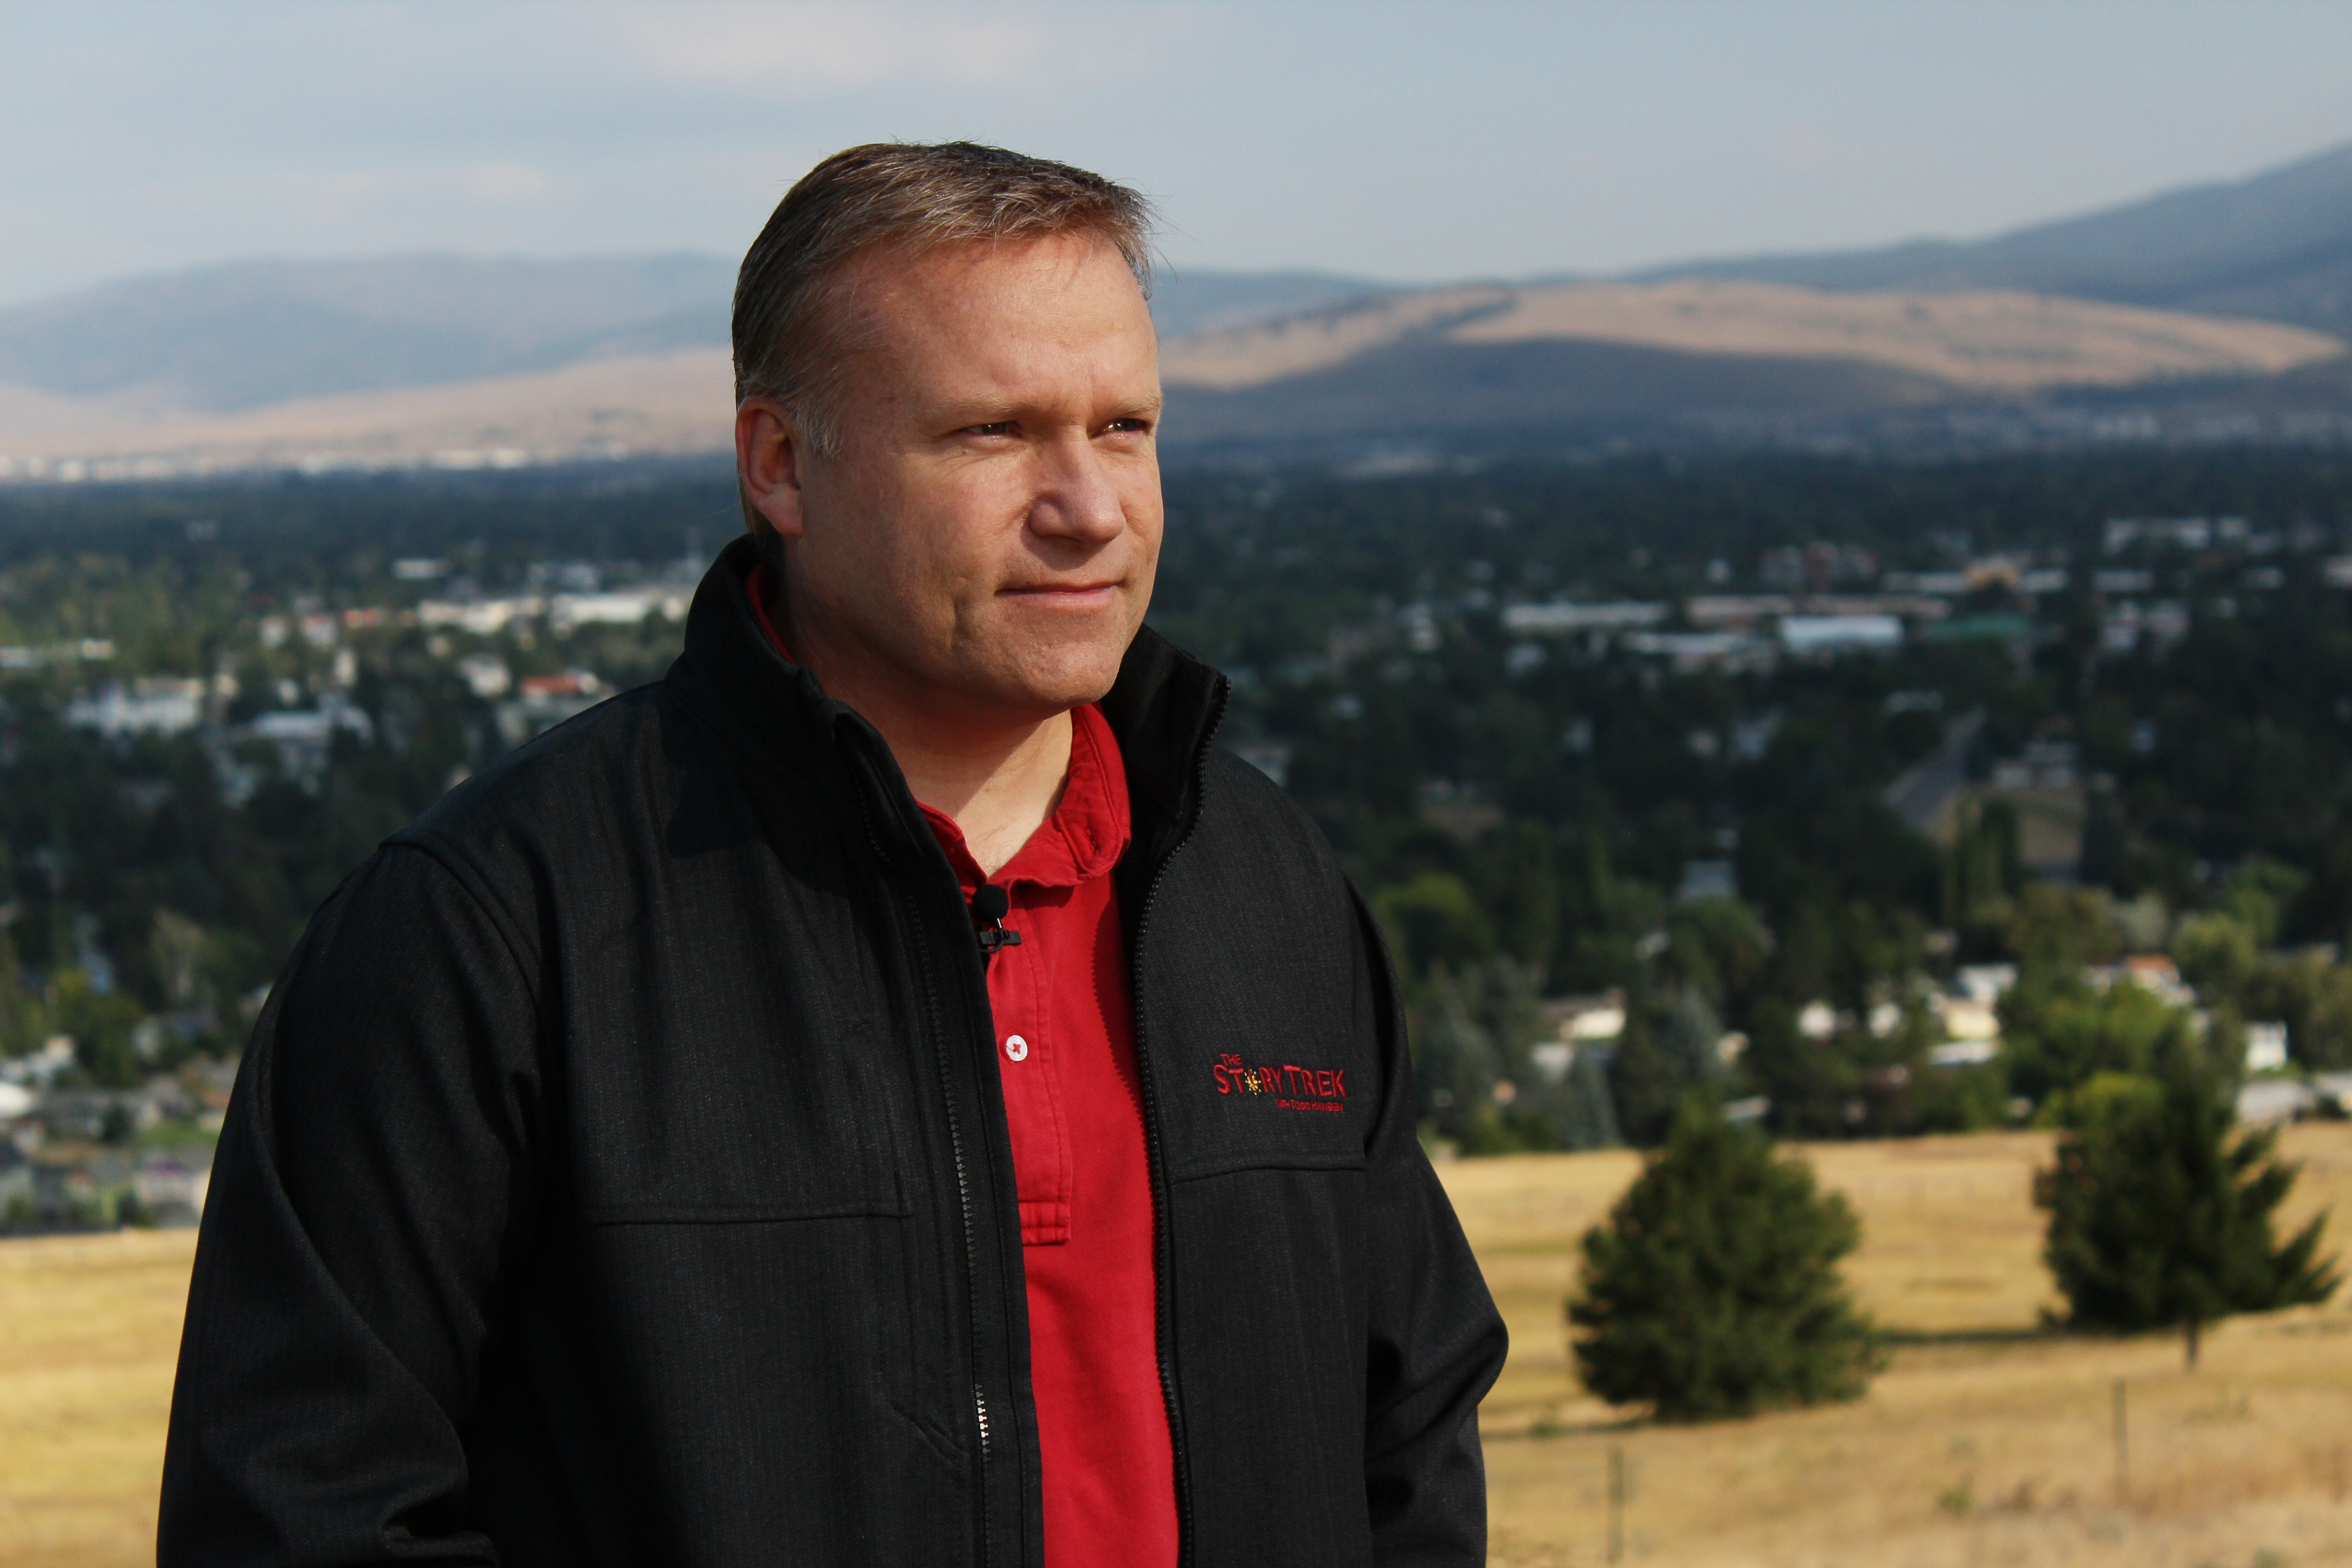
(1077,500)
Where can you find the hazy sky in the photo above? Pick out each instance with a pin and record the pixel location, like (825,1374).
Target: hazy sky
(1408,141)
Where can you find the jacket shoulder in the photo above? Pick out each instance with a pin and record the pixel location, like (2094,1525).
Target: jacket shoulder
(1239,800)
(592,786)
(586,757)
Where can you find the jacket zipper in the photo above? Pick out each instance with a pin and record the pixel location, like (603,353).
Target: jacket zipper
(963,1202)
(1162,1247)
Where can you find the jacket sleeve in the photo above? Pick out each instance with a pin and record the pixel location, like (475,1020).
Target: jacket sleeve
(376,1158)
(1436,1342)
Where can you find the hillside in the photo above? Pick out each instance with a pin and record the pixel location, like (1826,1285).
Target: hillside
(2188,313)
(1963,343)
(1496,359)
(2277,246)
(243,334)
(1486,362)
(629,405)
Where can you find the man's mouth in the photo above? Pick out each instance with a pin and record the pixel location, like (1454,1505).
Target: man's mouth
(1067,595)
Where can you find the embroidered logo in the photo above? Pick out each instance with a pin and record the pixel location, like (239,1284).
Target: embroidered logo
(1294,1088)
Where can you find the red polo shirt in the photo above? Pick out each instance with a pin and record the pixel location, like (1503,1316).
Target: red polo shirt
(1065,1055)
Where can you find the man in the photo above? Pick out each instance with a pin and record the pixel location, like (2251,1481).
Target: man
(891,1093)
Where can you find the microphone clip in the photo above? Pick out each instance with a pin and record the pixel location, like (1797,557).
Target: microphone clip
(992,903)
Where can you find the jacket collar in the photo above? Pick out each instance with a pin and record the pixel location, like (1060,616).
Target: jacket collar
(1163,709)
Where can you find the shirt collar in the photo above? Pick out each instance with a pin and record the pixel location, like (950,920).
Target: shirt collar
(1088,832)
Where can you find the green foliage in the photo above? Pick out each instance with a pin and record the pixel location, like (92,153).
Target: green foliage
(1433,919)
(2259,896)
(1972,1099)
(2313,998)
(1643,1086)
(2218,954)
(1810,1082)
(1582,1113)
(2099,1100)
(1981,871)
(2160,1213)
(2221,953)
(100,1027)
(23,1021)
(1455,1064)
(1687,1032)
(1719,949)
(1476,1071)
(2057,930)
(2061,1033)
(1713,1289)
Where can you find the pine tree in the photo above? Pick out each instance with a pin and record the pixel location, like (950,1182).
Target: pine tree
(1642,1083)
(1668,1049)
(1454,1063)
(1689,1033)
(1586,1115)
(2160,1217)
(1712,1290)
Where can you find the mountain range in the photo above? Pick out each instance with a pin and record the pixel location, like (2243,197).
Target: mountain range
(2237,294)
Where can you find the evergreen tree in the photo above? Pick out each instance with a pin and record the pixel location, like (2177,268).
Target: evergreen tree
(1585,1114)
(1808,1082)
(1506,1000)
(1454,1064)
(1688,1034)
(1669,1047)
(2159,1216)
(1712,1290)
(1643,1084)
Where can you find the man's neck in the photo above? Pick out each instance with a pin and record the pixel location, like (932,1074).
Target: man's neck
(997,781)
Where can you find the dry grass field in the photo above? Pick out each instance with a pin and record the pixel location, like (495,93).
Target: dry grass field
(88,1330)
(1986,1442)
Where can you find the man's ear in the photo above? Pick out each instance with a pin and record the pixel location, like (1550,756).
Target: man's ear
(769,451)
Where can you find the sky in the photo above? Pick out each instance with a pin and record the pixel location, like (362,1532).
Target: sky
(1405,140)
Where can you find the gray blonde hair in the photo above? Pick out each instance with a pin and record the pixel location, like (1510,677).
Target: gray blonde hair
(903,196)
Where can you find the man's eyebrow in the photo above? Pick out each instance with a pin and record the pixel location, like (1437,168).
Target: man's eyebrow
(957,413)
(958,416)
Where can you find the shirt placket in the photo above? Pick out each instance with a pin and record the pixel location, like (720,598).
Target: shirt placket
(1020,985)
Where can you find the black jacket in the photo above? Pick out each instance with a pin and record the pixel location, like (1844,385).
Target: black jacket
(618,1173)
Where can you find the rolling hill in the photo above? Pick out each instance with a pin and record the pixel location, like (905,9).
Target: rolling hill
(2218,303)
(1505,362)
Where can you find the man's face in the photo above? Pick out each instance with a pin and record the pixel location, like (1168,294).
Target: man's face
(982,543)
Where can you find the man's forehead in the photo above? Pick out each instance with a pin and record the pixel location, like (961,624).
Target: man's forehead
(1064,288)
(975,331)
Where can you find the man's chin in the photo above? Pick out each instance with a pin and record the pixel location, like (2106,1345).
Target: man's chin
(1043,687)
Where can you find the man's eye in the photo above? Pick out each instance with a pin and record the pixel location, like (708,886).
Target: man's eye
(993,428)
(1128,426)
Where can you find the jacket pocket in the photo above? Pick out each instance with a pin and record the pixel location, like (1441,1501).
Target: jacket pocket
(743,1136)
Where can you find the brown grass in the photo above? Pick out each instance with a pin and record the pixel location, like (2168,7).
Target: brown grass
(680,401)
(89,1330)
(1986,1442)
